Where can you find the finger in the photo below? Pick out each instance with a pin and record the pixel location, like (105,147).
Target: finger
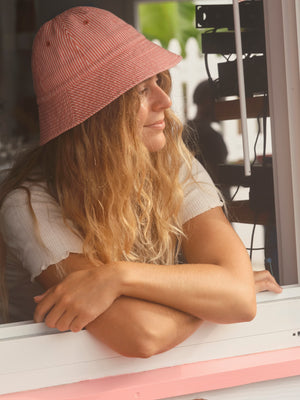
(267,284)
(78,324)
(274,287)
(40,297)
(65,321)
(277,288)
(84,317)
(57,312)
(265,276)
(44,306)
(82,320)
(54,315)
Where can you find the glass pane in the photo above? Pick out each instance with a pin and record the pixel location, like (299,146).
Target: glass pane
(208,76)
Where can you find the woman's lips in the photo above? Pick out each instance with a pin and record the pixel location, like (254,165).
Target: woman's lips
(156,125)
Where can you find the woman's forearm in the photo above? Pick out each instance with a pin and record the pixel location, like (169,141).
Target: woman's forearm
(136,328)
(206,291)
(217,283)
(130,326)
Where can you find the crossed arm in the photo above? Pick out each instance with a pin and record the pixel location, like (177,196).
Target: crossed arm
(142,309)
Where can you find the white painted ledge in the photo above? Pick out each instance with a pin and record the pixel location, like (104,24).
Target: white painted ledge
(34,356)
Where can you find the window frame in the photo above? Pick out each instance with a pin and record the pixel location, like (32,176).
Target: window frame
(273,329)
(282,27)
(34,356)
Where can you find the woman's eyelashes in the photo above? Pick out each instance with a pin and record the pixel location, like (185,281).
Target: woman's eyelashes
(143,91)
(158,81)
(149,84)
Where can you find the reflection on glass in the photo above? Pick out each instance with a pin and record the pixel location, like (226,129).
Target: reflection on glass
(210,57)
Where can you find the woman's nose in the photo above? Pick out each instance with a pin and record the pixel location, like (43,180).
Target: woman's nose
(161,100)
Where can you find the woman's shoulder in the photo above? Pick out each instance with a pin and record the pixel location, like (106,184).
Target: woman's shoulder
(33,192)
(199,191)
(193,170)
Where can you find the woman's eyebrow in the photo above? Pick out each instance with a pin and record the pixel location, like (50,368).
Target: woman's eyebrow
(149,79)
(145,81)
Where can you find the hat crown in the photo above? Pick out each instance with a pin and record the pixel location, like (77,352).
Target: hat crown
(72,43)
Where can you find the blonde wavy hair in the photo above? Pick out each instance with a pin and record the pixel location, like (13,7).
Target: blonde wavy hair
(123,201)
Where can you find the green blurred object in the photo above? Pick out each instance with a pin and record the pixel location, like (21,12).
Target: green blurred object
(167,20)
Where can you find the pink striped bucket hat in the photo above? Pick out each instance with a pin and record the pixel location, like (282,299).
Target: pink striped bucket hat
(85,58)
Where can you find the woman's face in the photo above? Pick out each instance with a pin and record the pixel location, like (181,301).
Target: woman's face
(150,118)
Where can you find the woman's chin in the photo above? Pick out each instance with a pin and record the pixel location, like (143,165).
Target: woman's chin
(155,143)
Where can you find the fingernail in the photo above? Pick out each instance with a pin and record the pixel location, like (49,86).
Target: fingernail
(37,299)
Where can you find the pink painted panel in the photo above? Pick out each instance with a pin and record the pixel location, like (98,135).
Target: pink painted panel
(178,380)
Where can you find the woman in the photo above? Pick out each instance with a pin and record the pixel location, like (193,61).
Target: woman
(98,213)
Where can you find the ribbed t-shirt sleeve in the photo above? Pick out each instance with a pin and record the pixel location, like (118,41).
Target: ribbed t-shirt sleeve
(36,245)
(200,193)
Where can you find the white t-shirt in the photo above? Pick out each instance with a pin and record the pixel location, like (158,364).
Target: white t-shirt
(28,253)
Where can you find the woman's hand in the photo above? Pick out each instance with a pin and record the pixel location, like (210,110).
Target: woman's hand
(265,281)
(80,298)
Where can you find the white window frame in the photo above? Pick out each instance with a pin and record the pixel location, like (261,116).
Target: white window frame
(34,356)
(282,26)
(59,358)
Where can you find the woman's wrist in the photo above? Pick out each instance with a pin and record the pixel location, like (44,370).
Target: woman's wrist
(137,280)
(118,278)
(121,277)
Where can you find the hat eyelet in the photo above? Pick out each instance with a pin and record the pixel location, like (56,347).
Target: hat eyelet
(85,22)
(47,43)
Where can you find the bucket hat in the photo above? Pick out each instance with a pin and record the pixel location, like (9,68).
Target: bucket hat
(85,58)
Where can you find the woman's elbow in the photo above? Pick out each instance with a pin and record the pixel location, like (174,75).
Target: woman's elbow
(162,337)
(247,307)
(249,313)
(145,349)
(145,346)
